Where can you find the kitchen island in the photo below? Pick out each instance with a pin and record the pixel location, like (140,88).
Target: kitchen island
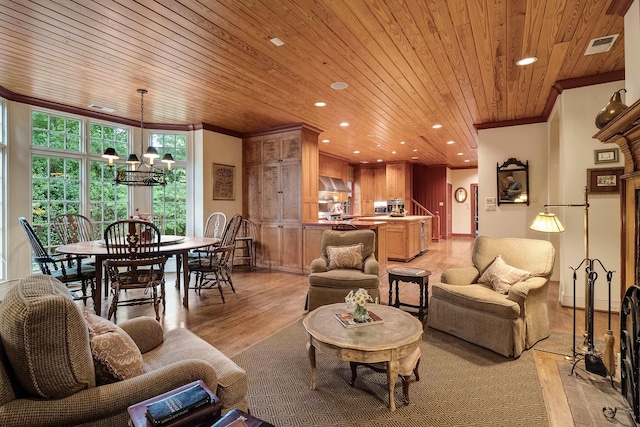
(407,236)
(312,236)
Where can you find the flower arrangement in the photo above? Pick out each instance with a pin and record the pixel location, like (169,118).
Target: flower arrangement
(357,301)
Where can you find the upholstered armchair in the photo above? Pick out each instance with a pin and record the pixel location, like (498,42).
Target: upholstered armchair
(347,262)
(500,302)
(51,374)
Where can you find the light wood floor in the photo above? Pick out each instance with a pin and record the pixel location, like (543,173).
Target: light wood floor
(267,301)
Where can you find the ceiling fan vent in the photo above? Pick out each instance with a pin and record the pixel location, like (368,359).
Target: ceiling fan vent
(601,44)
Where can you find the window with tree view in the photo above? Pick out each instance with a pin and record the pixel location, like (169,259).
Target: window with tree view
(170,201)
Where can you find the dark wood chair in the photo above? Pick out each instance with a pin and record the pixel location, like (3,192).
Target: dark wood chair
(68,269)
(245,244)
(134,264)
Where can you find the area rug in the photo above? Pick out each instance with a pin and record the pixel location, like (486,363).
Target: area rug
(460,384)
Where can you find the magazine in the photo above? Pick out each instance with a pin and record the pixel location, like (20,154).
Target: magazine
(346,320)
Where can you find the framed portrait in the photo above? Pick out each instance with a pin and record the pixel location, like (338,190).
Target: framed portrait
(608,155)
(605,180)
(513,182)
(224,182)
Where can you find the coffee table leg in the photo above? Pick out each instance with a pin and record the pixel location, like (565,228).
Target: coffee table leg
(312,358)
(392,374)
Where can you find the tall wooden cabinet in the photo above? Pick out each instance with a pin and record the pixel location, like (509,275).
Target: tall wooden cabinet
(278,192)
(398,181)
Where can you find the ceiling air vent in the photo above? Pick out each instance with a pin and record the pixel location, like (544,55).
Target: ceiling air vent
(601,44)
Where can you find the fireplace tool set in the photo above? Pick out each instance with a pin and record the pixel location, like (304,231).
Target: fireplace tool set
(595,362)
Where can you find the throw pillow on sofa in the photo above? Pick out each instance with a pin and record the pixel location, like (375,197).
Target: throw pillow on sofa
(116,356)
(501,276)
(345,256)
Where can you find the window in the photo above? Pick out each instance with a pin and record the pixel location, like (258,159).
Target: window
(107,201)
(171,201)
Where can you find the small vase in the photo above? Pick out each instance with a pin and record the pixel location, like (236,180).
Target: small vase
(361,314)
(611,110)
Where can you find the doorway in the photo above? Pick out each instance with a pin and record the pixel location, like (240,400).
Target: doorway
(474,210)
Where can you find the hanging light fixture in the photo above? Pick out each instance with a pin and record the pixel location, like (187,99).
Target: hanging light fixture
(141,170)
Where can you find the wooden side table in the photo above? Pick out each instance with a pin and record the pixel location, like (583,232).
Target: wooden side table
(420,277)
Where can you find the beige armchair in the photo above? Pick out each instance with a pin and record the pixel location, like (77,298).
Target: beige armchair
(505,323)
(47,373)
(332,277)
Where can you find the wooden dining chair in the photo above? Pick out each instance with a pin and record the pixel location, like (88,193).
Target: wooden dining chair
(134,264)
(73,228)
(212,266)
(68,269)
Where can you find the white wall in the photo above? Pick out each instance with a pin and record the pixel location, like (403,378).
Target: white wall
(209,148)
(576,111)
(496,146)
(461,212)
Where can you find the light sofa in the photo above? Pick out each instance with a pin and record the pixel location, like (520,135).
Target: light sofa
(47,374)
(507,324)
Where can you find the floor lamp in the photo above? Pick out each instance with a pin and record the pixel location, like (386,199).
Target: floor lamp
(547,222)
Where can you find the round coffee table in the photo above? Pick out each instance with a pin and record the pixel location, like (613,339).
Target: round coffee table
(397,336)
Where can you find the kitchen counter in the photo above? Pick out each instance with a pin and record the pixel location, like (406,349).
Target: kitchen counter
(406,236)
(393,218)
(360,223)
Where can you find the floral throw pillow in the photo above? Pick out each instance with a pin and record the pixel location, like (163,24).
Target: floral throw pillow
(345,256)
(116,356)
(501,276)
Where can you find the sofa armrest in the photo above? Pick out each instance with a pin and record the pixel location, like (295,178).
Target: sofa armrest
(460,276)
(107,401)
(371,265)
(319,265)
(145,331)
(521,290)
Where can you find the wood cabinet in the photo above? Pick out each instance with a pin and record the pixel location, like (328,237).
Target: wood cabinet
(280,189)
(369,186)
(333,167)
(398,181)
(280,246)
(380,184)
(403,236)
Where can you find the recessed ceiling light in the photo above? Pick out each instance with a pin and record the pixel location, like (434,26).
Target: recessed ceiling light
(451,142)
(339,85)
(325,140)
(437,126)
(356,152)
(363,161)
(393,152)
(378,145)
(467,161)
(460,154)
(276,41)
(527,61)
(101,108)
(402,142)
(379,160)
(320,104)
(414,158)
(415,150)
(344,124)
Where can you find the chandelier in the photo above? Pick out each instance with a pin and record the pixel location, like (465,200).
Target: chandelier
(141,170)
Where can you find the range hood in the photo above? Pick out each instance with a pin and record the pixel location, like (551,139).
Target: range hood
(335,185)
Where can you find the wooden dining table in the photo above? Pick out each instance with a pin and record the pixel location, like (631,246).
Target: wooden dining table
(169,245)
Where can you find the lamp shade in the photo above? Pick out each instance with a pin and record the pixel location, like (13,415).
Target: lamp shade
(133,159)
(110,153)
(547,222)
(151,153)
(168,159)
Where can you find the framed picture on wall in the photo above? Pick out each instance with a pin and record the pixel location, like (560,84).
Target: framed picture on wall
(608,155)
(224,182)
(605,180)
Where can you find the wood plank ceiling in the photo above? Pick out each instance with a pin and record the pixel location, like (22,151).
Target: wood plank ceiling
(409,64)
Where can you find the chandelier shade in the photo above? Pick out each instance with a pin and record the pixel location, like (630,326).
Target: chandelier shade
(141,171)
